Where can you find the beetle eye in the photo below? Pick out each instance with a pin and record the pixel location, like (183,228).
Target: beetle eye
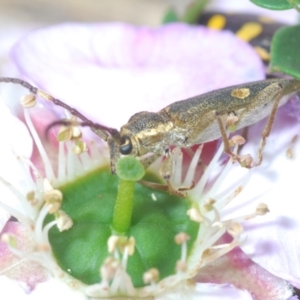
(126,145)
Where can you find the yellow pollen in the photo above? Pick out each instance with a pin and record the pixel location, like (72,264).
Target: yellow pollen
(28,101)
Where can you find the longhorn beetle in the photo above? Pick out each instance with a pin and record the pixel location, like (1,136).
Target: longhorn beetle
(188,122)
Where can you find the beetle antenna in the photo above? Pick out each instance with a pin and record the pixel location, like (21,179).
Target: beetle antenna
(18,81)
(96,126)
(102,131)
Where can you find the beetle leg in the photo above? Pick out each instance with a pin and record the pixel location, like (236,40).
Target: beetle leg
(277,95)
(227,148)
(163,187)
(180,192)
(166,171)
(268,128)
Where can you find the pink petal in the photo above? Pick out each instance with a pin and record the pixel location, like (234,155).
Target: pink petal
(272,240)
(16,143)
(16,268)
(239,270)
(111,71)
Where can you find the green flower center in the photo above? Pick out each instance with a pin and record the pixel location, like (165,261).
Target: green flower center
(157,218)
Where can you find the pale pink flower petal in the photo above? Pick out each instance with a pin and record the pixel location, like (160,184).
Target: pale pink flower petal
(238,269)
(16,267)
(111,71)
(273,240)
(16,143)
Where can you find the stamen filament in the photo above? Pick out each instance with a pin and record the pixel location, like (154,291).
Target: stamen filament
(220,179)
(220,204)
(38,230)
(198,190)
(46,229)
(70,161)
(62,176)
(183,252)
(177,157)
(47,164)
(193,165)
(19,216)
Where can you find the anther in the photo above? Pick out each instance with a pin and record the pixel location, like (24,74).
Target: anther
(195,215)
(181,238)
(151,276)
(262,209)
(53,200)
(64,222)
(235,229)
(28,101)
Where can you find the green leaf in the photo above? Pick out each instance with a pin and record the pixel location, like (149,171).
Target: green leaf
(90,201)
(170,16)
(273,4)
(285,47)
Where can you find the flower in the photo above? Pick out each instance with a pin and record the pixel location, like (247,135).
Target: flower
(108,66)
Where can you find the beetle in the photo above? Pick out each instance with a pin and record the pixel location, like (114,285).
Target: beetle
(184,123)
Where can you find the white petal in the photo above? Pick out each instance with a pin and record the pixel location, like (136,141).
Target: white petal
(12,290)
(16,142)
(55,289)
(273,240)
(208,291)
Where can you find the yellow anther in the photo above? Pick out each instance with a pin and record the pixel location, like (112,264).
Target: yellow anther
(53,200)
(28,101)
(235,229)
(151,276)
(64,222)
(195,215)
(262,209)
(181,238)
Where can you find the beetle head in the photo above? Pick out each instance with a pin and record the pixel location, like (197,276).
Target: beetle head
(119,146)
